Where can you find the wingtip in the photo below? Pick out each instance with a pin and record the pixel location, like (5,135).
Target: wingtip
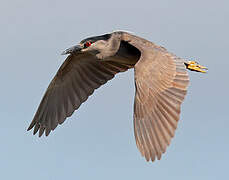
(29,128)
(32,124)
(63,53)
(47,132)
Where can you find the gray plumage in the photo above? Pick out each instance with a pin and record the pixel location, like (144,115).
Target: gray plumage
(161,82)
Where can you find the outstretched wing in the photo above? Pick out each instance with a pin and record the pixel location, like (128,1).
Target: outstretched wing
(76,79)
(161,83)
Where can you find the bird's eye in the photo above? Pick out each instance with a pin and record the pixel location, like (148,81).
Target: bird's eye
(87,44)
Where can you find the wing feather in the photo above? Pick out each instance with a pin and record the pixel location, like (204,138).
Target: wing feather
(74,82)
(161,84)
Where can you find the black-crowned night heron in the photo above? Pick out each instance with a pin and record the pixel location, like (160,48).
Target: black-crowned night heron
(161,82)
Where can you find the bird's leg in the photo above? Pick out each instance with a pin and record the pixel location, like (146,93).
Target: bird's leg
(194,66)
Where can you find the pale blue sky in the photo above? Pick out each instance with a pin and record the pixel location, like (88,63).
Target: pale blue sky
(97,142)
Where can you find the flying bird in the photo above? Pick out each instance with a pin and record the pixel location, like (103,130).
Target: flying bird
(161,82)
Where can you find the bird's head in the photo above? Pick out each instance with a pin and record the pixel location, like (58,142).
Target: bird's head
(100,46)
(92,45)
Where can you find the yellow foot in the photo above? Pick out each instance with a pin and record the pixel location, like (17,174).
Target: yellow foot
(194,66)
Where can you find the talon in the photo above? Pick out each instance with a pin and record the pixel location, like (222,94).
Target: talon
(194,66)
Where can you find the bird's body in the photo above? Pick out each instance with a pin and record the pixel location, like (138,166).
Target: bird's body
(161,82)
